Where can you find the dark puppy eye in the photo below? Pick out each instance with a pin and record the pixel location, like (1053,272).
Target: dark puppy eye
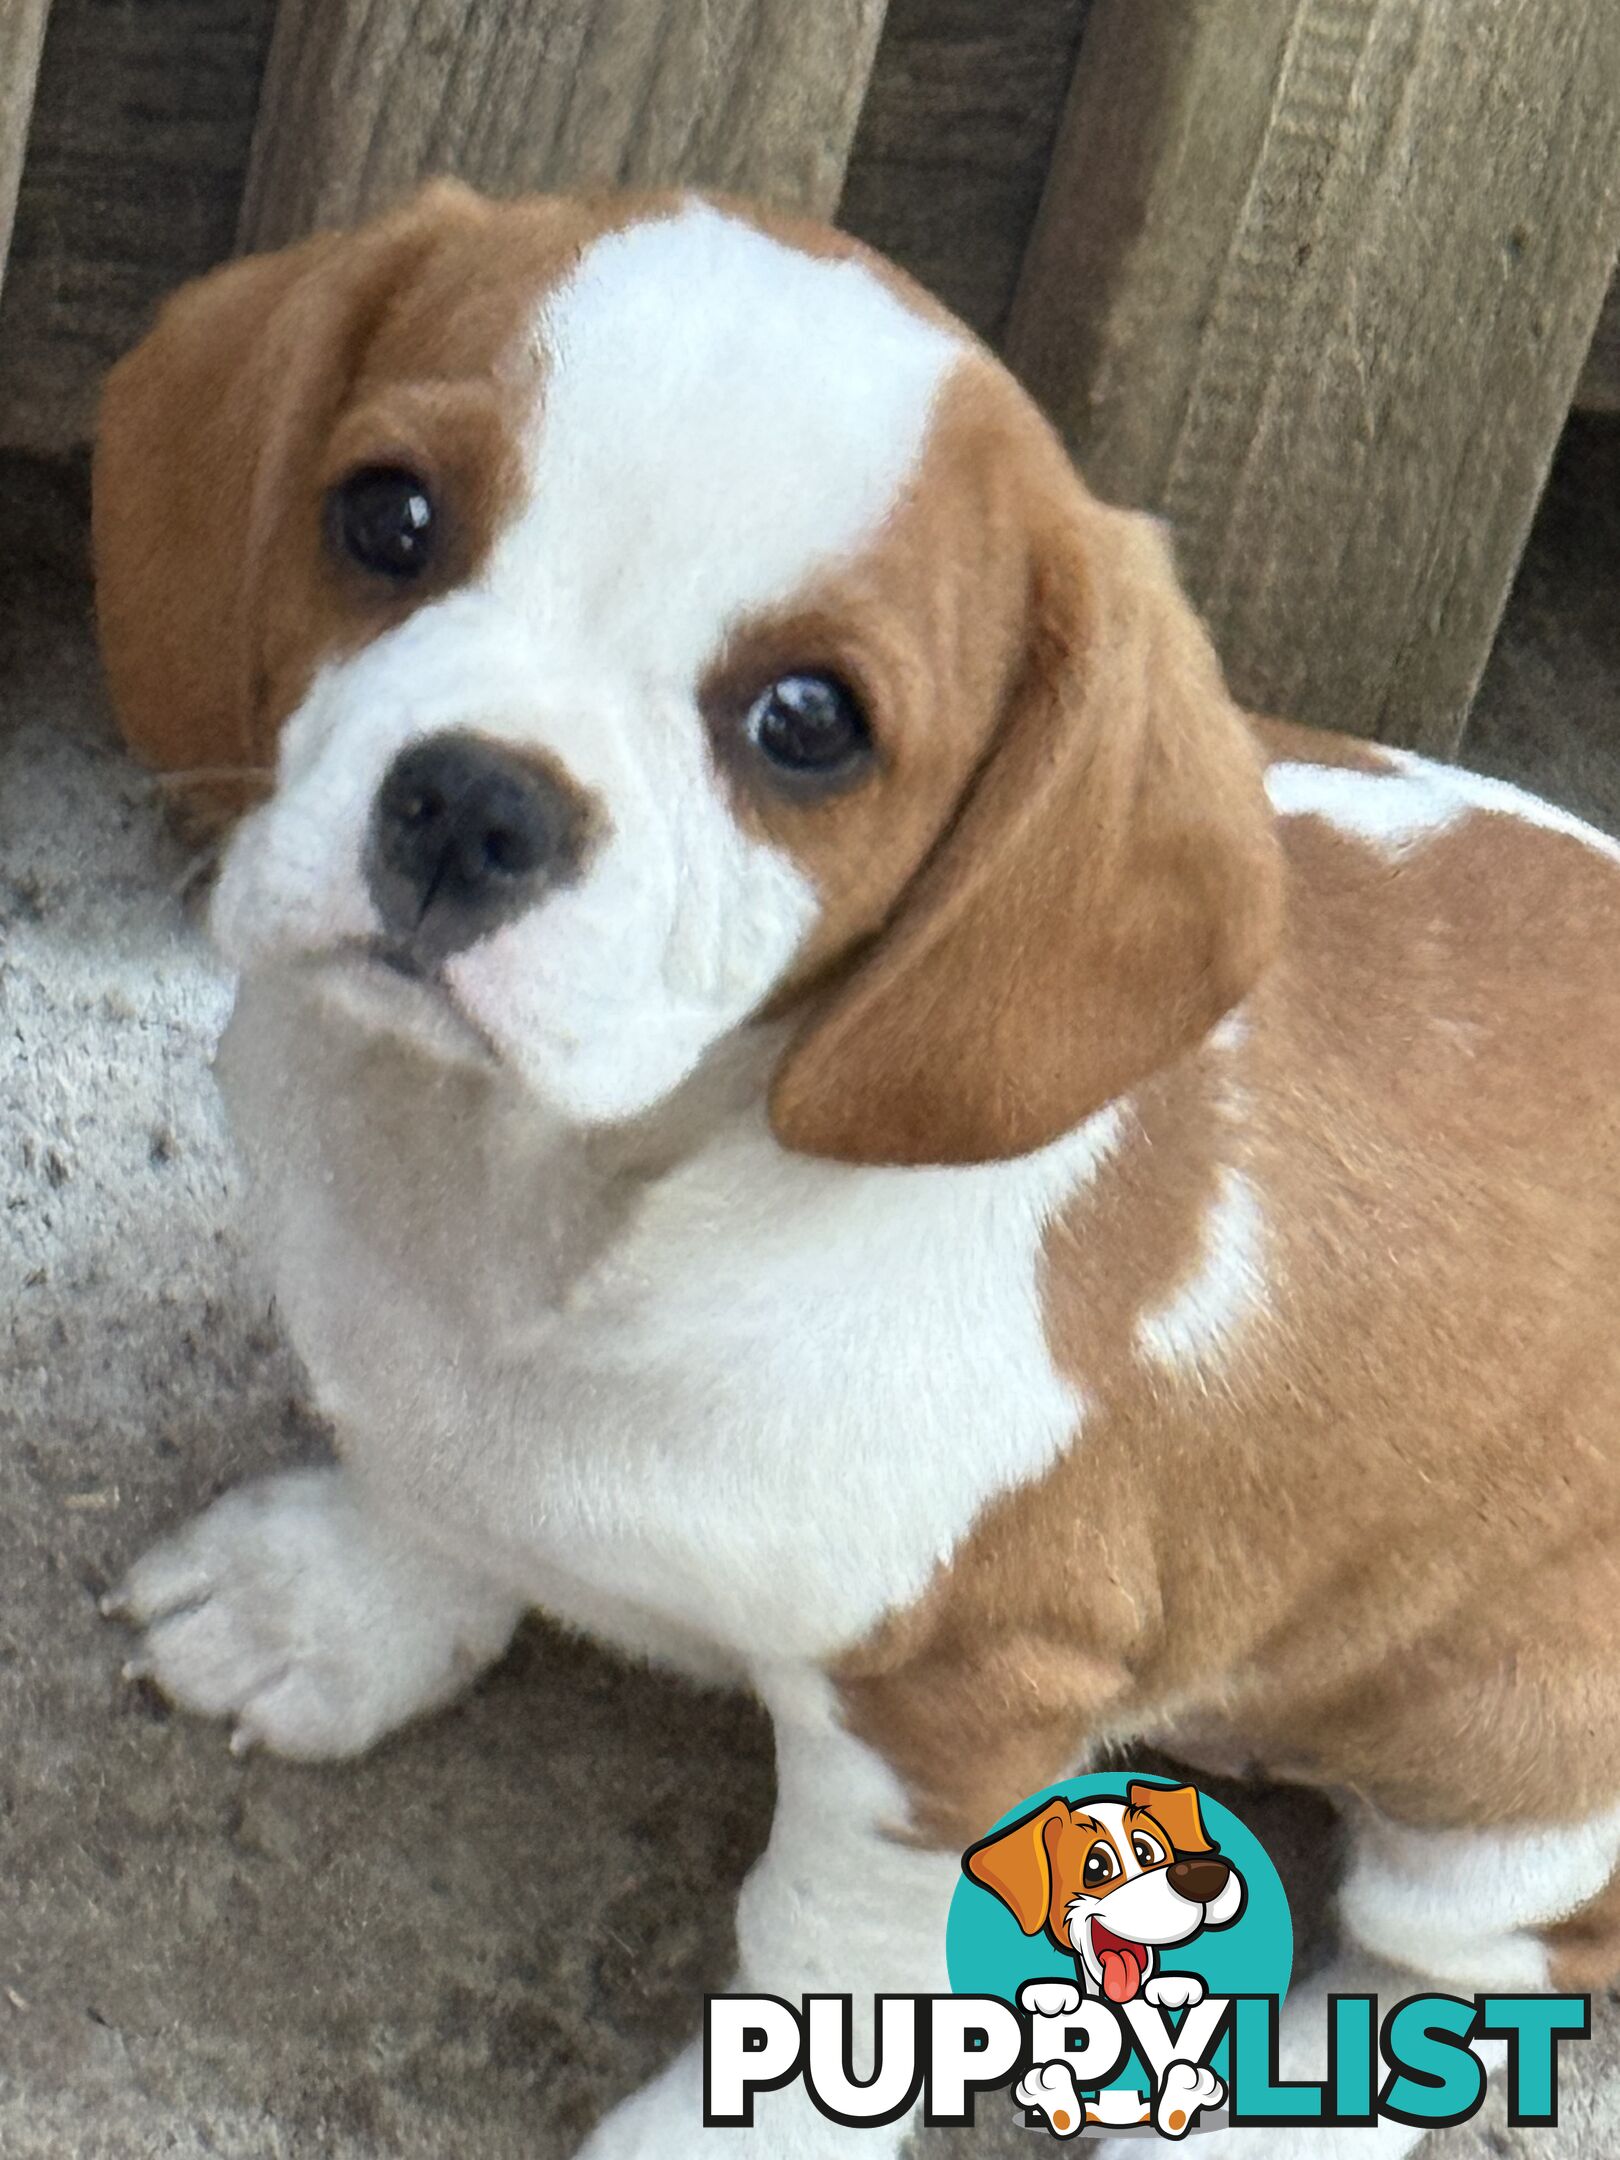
(382,517)
(809,724)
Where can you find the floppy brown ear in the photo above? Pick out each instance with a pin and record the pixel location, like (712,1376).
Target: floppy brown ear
(1111,886)
(1016,1865)
(206,432)
(1175,1809)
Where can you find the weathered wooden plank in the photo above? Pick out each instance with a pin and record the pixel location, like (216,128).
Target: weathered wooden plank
(1314,278)
(360,102)
(1599,387)
(951,154)
(142,121)
(22,33)
(145,113)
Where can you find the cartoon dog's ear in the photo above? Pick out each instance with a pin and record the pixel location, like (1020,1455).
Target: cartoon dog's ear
(1110,887)
(1016,1865)
(1176,1811)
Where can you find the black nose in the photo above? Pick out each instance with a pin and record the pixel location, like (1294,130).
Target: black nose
(466,834)
(1202,1879)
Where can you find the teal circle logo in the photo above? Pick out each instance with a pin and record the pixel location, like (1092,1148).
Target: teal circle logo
(1111,1883)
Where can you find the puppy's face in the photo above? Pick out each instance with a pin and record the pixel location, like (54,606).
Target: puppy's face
(1114,1881)
(625,602)
(578,794)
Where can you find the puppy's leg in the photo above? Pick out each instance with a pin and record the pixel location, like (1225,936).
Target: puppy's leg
(837,1905)
(1475,1909)
(291,1608)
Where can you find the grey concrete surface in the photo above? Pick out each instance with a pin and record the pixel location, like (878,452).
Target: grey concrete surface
(465,1946)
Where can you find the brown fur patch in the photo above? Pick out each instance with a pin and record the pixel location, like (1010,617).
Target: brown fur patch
(1375,1540)
(928,626)
(1100,826)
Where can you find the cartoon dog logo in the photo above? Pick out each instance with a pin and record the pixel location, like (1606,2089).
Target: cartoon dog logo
(1113,1882)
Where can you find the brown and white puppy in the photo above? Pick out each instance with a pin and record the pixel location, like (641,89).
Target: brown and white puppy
(826,1108)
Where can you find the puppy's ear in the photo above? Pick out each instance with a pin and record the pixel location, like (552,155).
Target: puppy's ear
(1016,1865)
(206,444)
(1110,887)
(1176,1812)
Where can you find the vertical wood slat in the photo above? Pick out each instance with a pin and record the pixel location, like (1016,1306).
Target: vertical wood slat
(360,101)
(22,36)
(1315,279)
(955,140)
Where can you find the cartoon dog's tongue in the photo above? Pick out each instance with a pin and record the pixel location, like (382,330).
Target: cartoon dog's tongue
(1123,1963)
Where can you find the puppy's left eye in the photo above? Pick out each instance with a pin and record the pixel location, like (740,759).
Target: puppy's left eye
(382,517)
(1148,1850)
(810,724)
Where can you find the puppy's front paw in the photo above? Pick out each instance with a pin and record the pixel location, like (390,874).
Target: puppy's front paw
(290,1610)
(1050,1998)
(1174,1991)
(1186,2088)
(1051,2091)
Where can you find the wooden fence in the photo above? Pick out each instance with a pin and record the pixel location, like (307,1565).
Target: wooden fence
(1317,279)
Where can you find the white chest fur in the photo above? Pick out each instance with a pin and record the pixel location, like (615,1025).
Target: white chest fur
(743,1399)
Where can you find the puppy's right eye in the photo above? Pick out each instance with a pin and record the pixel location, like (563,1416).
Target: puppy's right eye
(1100,1867)
(811,726)
(382,517)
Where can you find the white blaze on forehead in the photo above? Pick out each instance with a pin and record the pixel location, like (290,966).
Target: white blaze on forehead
(720,416)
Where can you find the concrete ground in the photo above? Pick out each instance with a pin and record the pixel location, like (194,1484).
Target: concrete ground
(469,1943)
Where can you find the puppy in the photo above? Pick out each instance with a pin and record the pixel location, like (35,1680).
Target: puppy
(824,1107)
(1114,1883)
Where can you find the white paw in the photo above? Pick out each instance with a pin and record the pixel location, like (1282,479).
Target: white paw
(1174,1991)
(1185,2089)
(289,1609)
(1049,2089)
(1050,1998)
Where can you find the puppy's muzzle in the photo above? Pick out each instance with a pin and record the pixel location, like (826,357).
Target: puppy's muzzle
(1202,1880)
(467,834)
